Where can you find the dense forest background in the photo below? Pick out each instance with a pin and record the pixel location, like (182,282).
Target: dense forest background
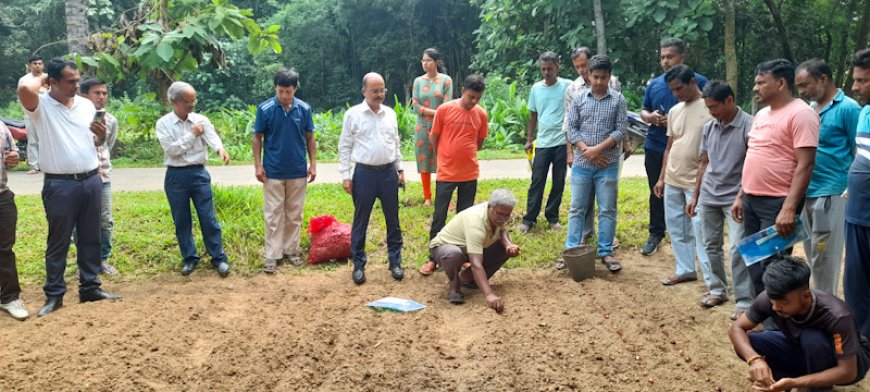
(333,43)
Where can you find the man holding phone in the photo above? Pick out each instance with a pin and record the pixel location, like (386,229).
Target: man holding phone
(98,92)
(68,135)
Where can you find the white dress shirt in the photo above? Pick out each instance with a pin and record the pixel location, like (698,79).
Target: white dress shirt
(66,143)
(369,138)
(180,147)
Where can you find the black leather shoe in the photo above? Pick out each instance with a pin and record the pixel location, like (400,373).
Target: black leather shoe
(187,268)
(223,269)
(97,295)
(398,272)
(359,276)
(52,303)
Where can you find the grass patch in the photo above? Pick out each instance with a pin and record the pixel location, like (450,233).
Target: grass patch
(144,238)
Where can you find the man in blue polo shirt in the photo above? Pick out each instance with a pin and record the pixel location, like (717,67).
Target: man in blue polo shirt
(825,206)
(284,130)
(657,101)
(857,267)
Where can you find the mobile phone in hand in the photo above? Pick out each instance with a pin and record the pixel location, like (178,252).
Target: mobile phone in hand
(99,115)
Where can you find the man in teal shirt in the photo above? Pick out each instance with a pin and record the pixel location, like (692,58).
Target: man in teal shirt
(546,110)
(825,207)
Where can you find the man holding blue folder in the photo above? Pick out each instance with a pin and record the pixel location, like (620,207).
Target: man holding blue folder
(779,158)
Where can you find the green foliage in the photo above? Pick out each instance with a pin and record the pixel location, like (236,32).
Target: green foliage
(144,241)
(178,38)
(505,104)
(12,110)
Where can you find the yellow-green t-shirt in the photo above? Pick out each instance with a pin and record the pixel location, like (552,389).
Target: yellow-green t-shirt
(470,230)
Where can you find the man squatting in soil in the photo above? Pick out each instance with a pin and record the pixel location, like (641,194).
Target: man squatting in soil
(477,235)
(817,345)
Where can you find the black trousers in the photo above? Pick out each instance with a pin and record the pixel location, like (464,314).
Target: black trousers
(759,212)
(9,287)
(465,192)
(653,162)
(68,204)
(544,158)
(368,185)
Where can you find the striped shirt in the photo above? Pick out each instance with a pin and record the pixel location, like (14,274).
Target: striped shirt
(592,120)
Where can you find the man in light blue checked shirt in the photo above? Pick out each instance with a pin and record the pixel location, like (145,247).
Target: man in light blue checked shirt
(596,127)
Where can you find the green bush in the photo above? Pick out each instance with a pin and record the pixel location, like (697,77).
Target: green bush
(505,104)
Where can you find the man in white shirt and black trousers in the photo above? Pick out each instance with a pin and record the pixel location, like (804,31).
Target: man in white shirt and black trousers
(68,131)
(370,139)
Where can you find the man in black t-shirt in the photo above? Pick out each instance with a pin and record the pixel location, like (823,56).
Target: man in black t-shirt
(817,345)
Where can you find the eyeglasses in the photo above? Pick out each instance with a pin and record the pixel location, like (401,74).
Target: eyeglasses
(378,91)
(182,100)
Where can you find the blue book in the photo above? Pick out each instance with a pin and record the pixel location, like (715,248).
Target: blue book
(769,242)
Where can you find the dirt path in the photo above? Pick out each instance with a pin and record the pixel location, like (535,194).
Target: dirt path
(307,330)
(151,179)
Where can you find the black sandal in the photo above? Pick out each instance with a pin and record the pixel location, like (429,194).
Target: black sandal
(455,297)
(613,265)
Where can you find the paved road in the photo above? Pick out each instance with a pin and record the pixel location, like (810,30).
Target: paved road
(150,179)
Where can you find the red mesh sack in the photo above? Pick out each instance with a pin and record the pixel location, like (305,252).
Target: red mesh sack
(330,239)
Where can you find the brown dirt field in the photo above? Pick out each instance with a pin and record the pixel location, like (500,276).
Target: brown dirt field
(307,330)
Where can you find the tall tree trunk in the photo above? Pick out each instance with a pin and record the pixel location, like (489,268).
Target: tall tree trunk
(863,37)
(76,25)
(599,27)
(861,42)
(780,27)
(730,45)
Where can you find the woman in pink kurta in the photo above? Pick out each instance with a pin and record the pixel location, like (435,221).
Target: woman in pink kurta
(430,90)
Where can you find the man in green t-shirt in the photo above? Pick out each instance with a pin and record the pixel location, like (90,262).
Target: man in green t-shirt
(476,235)
(546,110)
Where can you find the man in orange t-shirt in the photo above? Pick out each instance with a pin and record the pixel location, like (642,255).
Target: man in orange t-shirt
(457,133)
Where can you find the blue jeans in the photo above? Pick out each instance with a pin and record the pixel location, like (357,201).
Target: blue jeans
(183,185)
(686,235)
(603,181)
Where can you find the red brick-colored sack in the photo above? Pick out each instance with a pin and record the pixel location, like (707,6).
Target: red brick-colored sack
(330,239)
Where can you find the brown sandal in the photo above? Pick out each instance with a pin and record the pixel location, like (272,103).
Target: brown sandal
(711,300)
(613,264)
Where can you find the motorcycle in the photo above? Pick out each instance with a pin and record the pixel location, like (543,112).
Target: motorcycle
(19,133)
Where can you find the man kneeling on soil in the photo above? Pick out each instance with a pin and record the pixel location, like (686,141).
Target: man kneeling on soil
(817,345)
(477,235)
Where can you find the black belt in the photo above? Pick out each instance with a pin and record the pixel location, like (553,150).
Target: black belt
(391,165)
(187,167)
(75,176)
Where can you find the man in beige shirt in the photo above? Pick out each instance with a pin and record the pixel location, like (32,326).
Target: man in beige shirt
(679,169)
(476,235)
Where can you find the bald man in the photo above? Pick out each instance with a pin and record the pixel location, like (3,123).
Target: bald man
(370,161)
